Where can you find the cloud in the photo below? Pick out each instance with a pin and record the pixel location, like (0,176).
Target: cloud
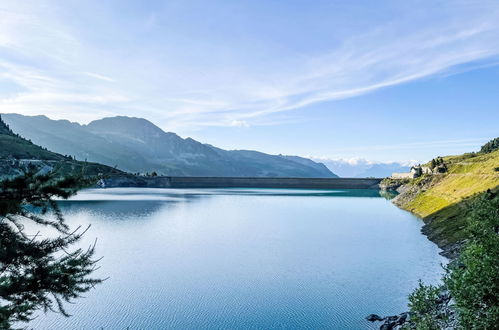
(152,64)
(473,142)
(239,123)
(359,161)
(98,76)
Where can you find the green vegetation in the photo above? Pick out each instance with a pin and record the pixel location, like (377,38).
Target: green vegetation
(461,212)
(436,162)
(466,176)
(443,199)
(427,308)
(39,272)
(13,146)
(472,280)
(490,146)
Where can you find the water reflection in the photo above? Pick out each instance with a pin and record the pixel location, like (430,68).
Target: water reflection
(129,210)
(247,258)
(131,203)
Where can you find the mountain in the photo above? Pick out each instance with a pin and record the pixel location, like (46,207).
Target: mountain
(16,153)
(13,146)
(361,168)
(381,170)
(137,145)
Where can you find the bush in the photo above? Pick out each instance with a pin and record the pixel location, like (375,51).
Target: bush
(428,310)
(472,280)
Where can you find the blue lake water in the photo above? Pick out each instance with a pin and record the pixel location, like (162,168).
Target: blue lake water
(245,259)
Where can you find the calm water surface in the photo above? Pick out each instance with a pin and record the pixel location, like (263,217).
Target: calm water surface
(246,259)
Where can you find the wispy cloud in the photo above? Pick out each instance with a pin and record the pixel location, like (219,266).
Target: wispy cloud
(72,69)
(98,76)
(473,142)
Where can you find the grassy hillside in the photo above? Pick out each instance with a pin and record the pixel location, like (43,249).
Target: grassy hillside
(15,147)
(467,175)
(442,199)
(15,152)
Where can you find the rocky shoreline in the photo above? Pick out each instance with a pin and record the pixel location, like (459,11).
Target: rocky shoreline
(404,320)
(450,251)
(407,192)
(390,322)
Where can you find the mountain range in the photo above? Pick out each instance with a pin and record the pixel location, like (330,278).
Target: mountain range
(362,168)
(137,145)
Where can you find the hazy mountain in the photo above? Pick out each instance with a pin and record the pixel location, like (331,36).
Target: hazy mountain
(361,168)
(381,170)
(137,145)
(16,153)
(14,147)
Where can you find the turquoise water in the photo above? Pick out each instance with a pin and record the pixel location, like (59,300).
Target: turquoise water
(245,259)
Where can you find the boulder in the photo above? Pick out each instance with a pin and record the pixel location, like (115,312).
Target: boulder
(388,325)
(374,317)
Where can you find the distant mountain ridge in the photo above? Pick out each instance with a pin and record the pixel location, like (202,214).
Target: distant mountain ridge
(137,145)
(361,168)
(16,153)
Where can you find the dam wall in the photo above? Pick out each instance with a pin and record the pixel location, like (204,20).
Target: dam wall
(241,182)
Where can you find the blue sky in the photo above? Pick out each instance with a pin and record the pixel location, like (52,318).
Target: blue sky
(380,80)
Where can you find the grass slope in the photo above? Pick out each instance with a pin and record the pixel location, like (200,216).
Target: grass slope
(15,147)
(443,200)
(468,174)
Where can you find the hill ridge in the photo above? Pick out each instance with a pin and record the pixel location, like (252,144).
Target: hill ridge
(137,145)
(16,153)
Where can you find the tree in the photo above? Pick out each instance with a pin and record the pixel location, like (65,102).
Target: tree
(433,163)
(428,308)
(40,273)
(490,146)
(473,280)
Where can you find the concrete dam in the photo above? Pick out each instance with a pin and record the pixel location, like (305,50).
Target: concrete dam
(241,182)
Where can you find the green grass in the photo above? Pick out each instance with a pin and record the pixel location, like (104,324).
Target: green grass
(14,147)
(467,175)
(443,200)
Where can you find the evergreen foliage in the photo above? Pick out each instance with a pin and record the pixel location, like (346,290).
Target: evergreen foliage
(472,280)
(490,146)
(39,273)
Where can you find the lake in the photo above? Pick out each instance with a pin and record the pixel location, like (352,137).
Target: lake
(245,259)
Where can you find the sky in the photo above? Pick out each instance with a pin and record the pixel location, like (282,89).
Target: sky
(377,80)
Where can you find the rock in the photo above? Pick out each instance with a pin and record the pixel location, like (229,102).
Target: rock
(402,318)
(393,322)
(393,318)
(388,326)
(443,297)
(374,317)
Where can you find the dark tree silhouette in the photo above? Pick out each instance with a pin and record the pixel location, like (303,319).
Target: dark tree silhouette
(490,146)
(40,273)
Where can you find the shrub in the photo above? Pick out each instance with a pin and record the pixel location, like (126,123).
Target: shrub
(472,280)
(427,309)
